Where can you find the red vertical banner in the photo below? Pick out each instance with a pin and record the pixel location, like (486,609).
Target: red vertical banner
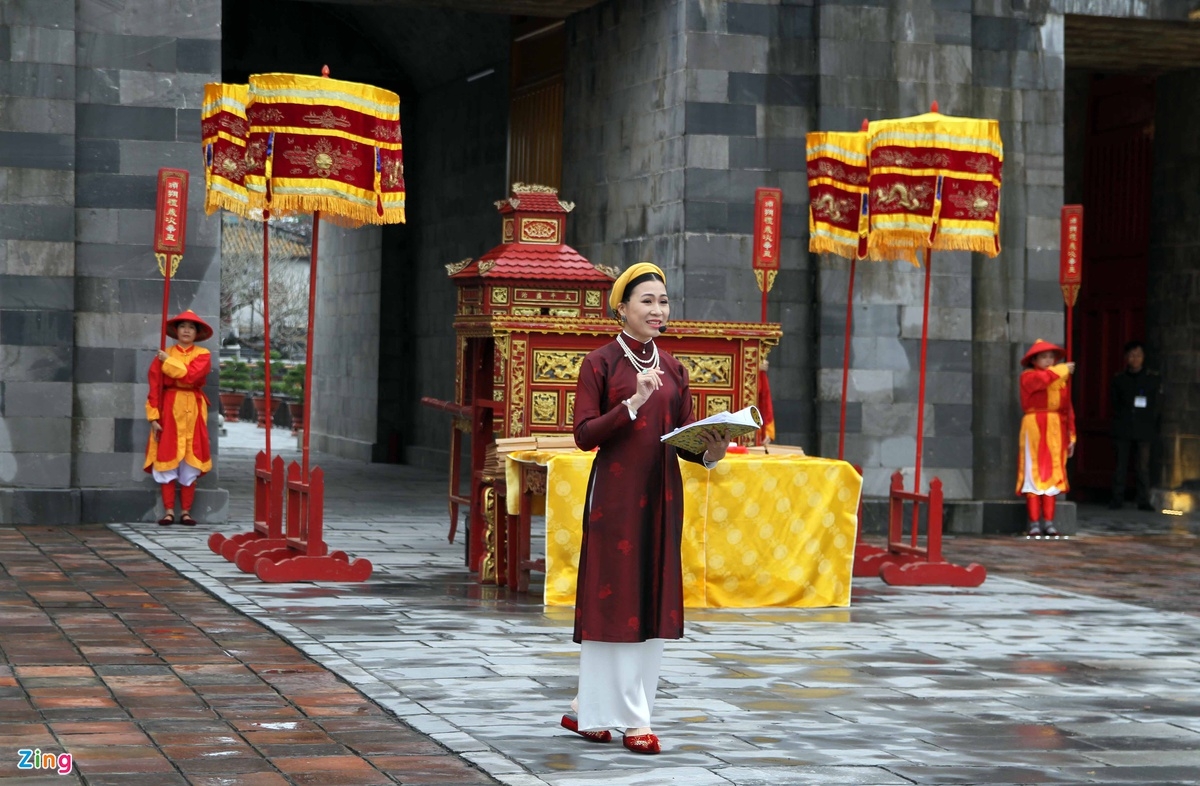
(768,210)
(170,232)
(768,207)
(1070,264)
(170,217)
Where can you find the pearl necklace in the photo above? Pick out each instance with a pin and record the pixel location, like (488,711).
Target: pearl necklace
(641,366)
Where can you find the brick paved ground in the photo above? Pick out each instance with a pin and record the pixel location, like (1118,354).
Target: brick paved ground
(107,653)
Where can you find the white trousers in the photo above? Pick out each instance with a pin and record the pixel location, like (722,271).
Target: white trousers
(1028,487)
(617,683)
(185,473)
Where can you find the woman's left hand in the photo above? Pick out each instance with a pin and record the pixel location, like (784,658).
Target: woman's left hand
(163,356)
(716,441)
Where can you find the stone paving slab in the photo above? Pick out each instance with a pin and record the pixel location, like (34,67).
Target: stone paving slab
(1010,682)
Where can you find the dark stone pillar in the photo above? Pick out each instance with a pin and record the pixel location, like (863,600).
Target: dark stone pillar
(1173,318)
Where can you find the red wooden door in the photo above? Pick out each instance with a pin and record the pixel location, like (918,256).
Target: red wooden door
(1111,309)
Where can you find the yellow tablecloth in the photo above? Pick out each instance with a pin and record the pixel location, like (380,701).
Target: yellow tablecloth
(757,530)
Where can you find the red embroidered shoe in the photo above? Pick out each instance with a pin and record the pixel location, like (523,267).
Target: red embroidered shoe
(642,743)
(571,723)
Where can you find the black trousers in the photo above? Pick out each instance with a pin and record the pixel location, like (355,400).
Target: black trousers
(1141,468)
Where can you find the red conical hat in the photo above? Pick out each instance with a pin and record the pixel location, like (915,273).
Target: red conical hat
(1038,348)
(203,330)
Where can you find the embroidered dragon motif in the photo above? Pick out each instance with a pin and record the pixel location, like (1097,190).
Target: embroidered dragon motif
(900,195)
(835,210)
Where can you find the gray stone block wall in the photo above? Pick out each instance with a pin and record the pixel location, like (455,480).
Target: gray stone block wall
(723,92)
(346,341)
(102,98)
(623,134)
(37,262)
(140,75)
(1016,295)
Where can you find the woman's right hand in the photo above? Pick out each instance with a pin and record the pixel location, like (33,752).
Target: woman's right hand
(1071,367)
(156,427)
(647,382)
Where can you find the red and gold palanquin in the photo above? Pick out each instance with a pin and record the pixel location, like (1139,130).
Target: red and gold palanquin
(538,363)
(528,312)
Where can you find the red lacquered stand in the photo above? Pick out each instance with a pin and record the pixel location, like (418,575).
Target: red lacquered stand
(910,564)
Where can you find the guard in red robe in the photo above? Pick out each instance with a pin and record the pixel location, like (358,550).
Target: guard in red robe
(1047,433)
(629,595)
(178,450)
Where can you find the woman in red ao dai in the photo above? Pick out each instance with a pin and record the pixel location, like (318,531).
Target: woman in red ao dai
(629,595)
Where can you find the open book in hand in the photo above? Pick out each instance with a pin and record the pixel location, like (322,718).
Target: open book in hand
(735,424)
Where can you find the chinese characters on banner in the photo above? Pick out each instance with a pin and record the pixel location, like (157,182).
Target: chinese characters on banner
(768,209)
(1070,266)
(170,219)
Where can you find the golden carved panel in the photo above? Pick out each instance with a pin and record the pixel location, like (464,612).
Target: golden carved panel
(487,568)
(539,230)
(592,298)
(546,297)
(500,294)
(715,404)
(526,311)
(507,231)
(570,408)
(749,376)
(500,357)
(564,312)
(544,408)
(708,371)
(557,365)
(516,406)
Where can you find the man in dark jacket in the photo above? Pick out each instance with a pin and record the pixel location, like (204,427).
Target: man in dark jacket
(1135,398)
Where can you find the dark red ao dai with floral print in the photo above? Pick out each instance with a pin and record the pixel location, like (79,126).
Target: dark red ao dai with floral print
(630,585)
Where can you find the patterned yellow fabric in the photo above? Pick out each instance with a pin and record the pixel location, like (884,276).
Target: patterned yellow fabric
(224,131)
(934,183)
(324,144)
(837,187)
(757,531)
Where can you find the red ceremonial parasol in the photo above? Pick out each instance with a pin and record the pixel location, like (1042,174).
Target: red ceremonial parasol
(934,184)
(334,149)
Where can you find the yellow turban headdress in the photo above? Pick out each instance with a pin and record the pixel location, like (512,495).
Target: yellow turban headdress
(617,294)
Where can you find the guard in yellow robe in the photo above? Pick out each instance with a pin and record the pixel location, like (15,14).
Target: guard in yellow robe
(178,450)
(1047,433)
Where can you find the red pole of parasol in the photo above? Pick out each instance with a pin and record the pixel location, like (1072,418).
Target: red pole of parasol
(921,388)
(267,326)
(308,349)
(846,359)
(924,346)
(846,348)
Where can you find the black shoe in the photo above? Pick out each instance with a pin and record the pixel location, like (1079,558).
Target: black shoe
(1145,506)
(1115,504)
